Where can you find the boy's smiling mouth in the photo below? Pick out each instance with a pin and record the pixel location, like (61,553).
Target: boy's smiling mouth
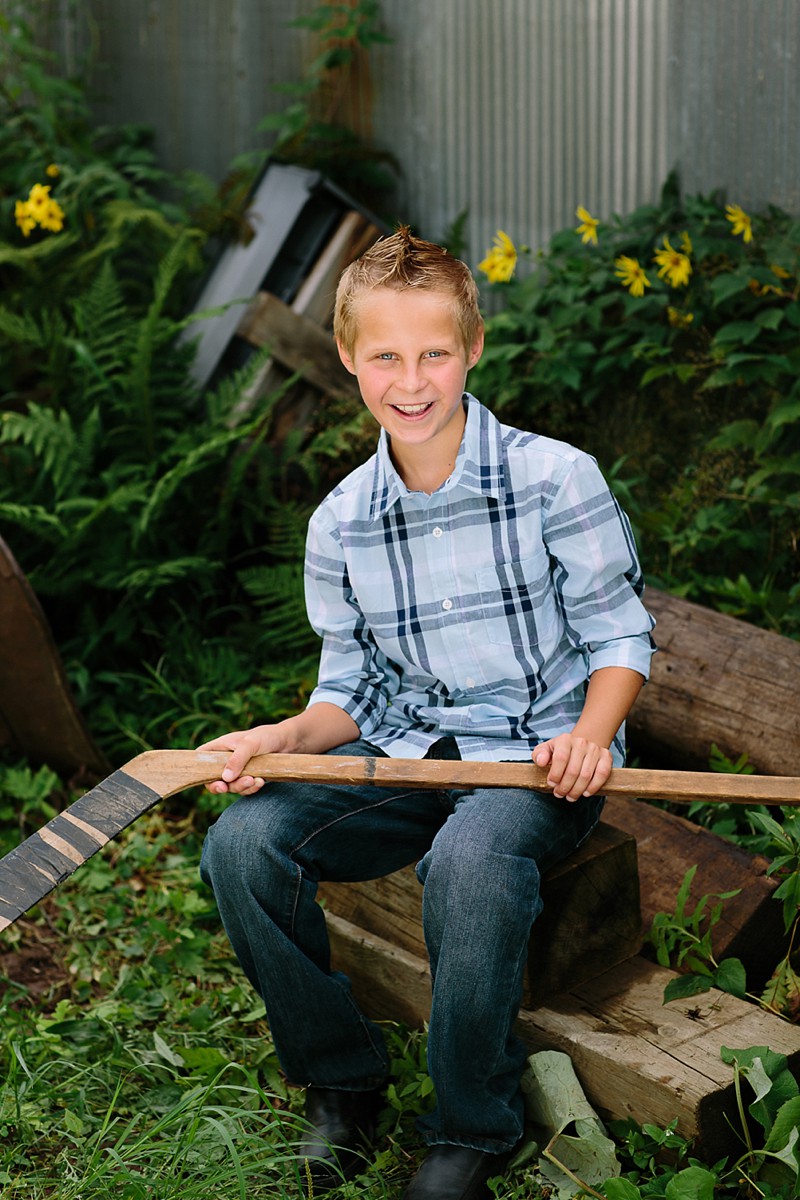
(413,410)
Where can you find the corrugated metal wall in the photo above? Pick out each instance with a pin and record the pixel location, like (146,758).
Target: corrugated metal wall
(517,110)
(522,110)
(734,99)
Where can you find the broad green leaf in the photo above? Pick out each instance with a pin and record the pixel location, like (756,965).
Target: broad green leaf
(738,331)
(684,986)
(730,977)
(784,1137)
(554,1102)
(725,286)
(693,1183)
(770,1078)
(621,1189)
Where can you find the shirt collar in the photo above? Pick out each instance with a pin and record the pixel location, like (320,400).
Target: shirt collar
(479,463)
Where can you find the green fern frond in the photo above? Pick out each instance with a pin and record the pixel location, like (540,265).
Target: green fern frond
(51,437)
(153,331)
(34,519)
(196,459)
(100,306)
(24,256)
(279,593)
(149,578)
(21,327)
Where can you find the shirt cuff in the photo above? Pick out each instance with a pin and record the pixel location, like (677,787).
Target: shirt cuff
(634,653)
(367,713)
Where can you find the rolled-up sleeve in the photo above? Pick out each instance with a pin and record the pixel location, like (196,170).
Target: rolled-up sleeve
(596,573)
(354,674)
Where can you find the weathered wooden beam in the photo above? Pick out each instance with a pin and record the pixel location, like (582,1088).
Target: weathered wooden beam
(635,1057)
(49,856)
(591,916)
(667,846)
(720,680)
(298,343)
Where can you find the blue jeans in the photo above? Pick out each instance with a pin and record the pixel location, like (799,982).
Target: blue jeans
(480,857)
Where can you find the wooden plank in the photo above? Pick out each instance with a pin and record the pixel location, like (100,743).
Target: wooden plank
(38,713)
(751,926)
(719,680)
(635,1057)
(590,920)
(316,295)
(298,343)
(315,301)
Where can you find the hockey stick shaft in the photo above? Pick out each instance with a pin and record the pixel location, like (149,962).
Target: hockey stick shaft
(46,858)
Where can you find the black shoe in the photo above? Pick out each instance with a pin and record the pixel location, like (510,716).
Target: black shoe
(455,1173)
(342,1126)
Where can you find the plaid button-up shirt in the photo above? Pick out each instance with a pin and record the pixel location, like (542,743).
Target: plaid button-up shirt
(479,611)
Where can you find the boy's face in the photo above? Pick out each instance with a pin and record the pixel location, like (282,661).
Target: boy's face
(411,366)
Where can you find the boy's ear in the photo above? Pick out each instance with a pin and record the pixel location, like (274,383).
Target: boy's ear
(476,349)
(345,357)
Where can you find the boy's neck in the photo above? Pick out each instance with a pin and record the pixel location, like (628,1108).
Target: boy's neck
(426,467)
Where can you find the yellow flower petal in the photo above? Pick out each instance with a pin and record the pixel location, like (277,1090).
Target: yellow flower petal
(631,275)
(740,221)
(588,225)
(500,260)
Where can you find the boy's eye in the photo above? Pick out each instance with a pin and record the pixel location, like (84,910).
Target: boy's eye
(436,354)
(386,355)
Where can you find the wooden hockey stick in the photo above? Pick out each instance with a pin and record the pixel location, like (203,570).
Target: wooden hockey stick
(46,858)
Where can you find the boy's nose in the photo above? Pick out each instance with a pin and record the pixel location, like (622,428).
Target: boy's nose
(412,379)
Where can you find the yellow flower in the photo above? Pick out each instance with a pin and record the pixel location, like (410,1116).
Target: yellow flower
(23,217)
(501,259)
(740,221)
(53,217)
(53,170)
(686,243)
(39,198)
(673,265)
(781,272)
(677,319)
(631,275)
(588,225)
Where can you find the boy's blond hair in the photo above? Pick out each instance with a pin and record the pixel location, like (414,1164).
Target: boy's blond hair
(403,261)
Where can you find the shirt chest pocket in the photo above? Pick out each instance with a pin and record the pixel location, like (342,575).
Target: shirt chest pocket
(517,601)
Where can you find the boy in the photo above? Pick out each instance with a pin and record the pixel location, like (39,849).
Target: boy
(478,596)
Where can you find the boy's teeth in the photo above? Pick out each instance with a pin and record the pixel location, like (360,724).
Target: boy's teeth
(412,408)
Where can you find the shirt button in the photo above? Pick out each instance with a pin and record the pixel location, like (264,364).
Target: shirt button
(437,532)
(447,604)
(470,681)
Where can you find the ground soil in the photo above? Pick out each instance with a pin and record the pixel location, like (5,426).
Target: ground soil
(34,965)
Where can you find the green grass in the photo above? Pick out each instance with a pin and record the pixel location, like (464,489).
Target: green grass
(136,1063)
(146,1068)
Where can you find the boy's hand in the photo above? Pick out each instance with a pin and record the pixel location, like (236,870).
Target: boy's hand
(577,767)
(244,744)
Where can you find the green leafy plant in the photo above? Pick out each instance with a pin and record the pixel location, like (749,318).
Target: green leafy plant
(666,343)
(683,939)
(313,130)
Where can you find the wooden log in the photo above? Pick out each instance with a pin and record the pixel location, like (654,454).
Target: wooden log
(38,713)
(590,920)
(718,680)
(635,1057)
(751,927)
